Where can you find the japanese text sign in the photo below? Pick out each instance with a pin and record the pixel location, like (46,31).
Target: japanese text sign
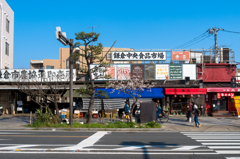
(138,56)
(180,55)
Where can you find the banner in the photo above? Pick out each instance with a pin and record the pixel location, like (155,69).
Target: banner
(180,55)
(175,71)
(112,72)
(237,104)
(137,71)
(36,75)
(123,72)
(189,70)
(139,56)
(161,72)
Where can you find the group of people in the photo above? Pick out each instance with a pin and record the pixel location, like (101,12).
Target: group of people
(193,111)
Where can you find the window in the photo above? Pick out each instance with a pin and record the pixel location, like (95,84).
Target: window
(7,25)
(7,49)
(109,56)
(49,67)
(6,67)
(67,64)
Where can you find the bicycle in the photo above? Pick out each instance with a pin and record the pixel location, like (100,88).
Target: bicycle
(164,117)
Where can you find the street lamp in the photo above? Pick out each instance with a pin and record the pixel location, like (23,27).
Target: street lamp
(62,37)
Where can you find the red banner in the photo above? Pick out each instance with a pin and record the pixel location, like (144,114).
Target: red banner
(185,91)
(218,95)
(223,89)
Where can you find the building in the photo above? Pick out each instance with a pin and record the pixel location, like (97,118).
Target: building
(63,61)
(6,34)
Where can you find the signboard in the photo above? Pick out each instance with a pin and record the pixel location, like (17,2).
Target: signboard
(185,91)
(98,73)
(123,72)
(175,71)
(149,72)
(137,72)
(112,72)
(162,72)
(223,89)
(237,104)
(189,70)
(180,55)
(35,75)
(139,56)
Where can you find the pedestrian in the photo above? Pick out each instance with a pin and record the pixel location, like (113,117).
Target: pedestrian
(196,114)
(126,110)
(189,113)
(159,109)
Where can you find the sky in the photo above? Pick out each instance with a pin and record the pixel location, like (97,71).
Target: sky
(136,24)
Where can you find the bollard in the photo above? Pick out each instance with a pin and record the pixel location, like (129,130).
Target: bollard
(30,117)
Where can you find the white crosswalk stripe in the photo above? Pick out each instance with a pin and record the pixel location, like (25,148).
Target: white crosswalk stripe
(220,142)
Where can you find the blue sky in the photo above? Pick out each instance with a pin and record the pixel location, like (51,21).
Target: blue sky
(134,24)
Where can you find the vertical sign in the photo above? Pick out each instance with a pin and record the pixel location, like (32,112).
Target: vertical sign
(137,71)
(123,72)
(189,70)
(161,72)
(149,72)
(175,71)
(237,104)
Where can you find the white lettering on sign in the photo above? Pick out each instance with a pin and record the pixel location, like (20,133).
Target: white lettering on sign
(36,75)
(123,56)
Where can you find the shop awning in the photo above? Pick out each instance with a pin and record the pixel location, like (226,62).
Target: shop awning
(223,89)
(185,91)
(148,93)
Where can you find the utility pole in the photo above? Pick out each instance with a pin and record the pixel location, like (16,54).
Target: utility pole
(91,61)
(211,31)
(62,37)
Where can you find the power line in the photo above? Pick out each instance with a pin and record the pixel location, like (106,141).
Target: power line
(193,40)
(197,41)
(231,31)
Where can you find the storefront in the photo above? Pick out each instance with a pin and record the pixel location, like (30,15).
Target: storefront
(177,99)
(221,100)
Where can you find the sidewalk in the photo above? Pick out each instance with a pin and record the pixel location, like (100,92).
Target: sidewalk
(175,124)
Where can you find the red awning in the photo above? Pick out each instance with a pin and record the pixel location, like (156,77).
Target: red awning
(223,89)
(185,91)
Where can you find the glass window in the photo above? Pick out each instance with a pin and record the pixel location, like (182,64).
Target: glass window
(49,67)
(7,49)
(109,56)
(7,25)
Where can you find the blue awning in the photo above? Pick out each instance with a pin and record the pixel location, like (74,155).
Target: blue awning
(148,93)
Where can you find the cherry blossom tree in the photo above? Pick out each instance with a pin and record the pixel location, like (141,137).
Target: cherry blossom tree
(132,87)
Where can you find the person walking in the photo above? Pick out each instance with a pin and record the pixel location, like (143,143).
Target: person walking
(126,110)
(196,114)
(159,109)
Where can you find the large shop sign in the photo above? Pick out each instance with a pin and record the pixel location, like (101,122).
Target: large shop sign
(36,75)
(219,95)
(180,55)
(223,89)
(139,56)
(185,91)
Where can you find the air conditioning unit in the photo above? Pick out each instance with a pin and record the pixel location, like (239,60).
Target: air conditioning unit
(51,97)
(206,59)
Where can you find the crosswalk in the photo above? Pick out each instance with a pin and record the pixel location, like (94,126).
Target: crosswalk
(220,142)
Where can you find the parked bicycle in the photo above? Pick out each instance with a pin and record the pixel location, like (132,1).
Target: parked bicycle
(1,110)
(164,117)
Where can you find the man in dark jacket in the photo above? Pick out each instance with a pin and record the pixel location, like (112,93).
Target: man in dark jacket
(196,114)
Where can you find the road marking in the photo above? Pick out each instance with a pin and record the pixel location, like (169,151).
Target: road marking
(224,147)
(90,141)
(218,140)
(183,148)
(227,152)
(39,136)
(221,143)
(13,133)
(212,134)
(132,147)
(16,147)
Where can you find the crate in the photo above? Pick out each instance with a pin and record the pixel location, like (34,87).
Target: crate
(80,115)
(67,116)
(76,115)
(114,115)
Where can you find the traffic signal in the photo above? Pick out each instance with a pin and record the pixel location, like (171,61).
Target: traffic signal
(233,83)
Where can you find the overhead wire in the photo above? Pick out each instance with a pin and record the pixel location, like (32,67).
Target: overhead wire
(231,31)
(192,41)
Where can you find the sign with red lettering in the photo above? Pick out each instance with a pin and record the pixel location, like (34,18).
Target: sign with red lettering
(218,95)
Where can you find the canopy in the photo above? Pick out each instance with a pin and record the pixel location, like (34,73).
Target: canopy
(147,93)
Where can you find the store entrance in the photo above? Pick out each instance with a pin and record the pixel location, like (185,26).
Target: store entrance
(220,104)
(179,105)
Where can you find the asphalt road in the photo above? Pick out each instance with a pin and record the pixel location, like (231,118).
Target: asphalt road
(105,144)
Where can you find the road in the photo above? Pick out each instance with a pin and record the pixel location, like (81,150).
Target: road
(107,144)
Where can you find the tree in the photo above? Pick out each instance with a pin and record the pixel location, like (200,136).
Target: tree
(91,54)
(132,87)
(45,92)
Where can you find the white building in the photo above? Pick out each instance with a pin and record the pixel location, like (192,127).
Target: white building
(6,35)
